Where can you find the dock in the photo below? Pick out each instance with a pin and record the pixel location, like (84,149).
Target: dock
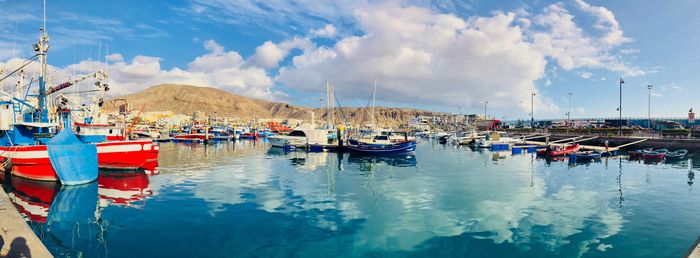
(694,251)
(16,238)
(567,141)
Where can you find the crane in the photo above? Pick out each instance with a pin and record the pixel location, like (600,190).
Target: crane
(100,75)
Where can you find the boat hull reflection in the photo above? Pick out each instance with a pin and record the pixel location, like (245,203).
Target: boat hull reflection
(395,160)
(123,189)
(44,201)
(40,201)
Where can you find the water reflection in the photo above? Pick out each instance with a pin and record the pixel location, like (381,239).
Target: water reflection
(40,201)
(123,189)
(32,199)
(367,162)
(254,200)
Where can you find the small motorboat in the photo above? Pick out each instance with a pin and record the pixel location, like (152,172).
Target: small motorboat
(658,154)
(676,155)
(639,153)
(585,156)
(554,151)
(382,144)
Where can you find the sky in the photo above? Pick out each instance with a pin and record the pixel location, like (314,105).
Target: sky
(451,56)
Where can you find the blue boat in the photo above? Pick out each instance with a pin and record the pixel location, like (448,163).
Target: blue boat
(585,156)
(676,155)
(382,144)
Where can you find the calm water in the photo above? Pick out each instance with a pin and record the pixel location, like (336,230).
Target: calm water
(245,199)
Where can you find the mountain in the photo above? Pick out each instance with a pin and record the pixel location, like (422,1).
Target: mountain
(187,99)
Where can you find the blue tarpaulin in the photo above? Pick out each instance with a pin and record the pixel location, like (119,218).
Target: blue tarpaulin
(74,161)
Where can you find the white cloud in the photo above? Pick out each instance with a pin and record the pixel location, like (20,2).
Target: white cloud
(628,51)
(115,58)
(269,54)
(327,31)
(564,41)
(605,20)
(419,56)
(585,75)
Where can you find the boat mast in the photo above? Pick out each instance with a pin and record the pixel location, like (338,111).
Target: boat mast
(330,104)
(41,48)
(374,101)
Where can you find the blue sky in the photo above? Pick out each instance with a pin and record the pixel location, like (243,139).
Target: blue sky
(439,55)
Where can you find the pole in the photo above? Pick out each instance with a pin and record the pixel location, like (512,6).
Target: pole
(568,114)
(532,109)
(619,132)
(486,102)
(649,106)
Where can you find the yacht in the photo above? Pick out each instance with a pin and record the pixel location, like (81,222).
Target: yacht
(495,138)
(302,135)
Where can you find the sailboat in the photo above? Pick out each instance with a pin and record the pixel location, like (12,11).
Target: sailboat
(385,142)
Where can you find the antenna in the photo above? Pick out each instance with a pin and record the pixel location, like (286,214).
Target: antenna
(14,43)
(374,101)
(99,54)
(44,15)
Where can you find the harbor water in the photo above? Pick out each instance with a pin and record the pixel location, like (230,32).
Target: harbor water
(246,199)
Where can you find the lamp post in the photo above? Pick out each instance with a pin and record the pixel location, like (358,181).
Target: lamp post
(619,132)
(568,114)
(649,106)
(532,109)
(486,102)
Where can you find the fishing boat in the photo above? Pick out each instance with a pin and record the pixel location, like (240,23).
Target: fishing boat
(219,134)
(194,133)
(676,155)
(146,132)
(37,146)
(556,151)
(658,154)
(382,144)
(98,132)
(114,150)
(639,153)
(264,133)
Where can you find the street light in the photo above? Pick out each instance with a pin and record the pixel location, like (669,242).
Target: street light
(568,114)
(486,102)
(649,106)
(619,132)
(532,109)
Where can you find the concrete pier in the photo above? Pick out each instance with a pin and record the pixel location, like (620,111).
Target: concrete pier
(16,238)
(691,145)
(694,251)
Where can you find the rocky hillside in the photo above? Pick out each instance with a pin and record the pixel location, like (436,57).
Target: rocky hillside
(185,99)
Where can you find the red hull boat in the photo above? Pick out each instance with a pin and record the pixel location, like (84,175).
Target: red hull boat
(33,162)
(558,151)
(656,155)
